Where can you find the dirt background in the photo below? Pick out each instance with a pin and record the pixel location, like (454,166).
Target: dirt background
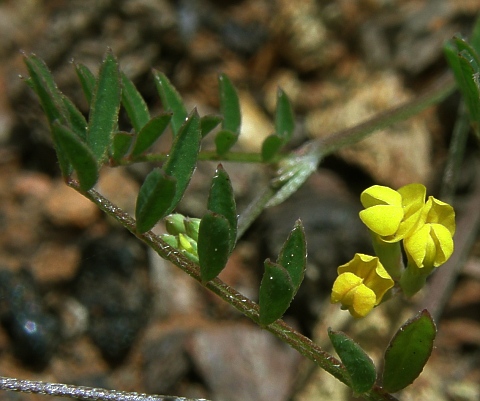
(83,302)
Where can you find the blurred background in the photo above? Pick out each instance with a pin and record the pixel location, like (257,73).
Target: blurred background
(83,302)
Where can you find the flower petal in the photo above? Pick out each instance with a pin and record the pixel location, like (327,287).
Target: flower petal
(441,213)
(343,285)
(380,195)
(444,243)
(383,220)
(364,299)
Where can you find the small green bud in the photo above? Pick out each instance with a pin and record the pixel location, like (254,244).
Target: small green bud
(171,240)
(191,227)
(175,224)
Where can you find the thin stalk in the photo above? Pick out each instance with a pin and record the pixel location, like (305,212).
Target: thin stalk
(81,392)
(455,154)
(321,147)
(250,309)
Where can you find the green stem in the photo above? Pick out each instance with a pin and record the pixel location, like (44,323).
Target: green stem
(248,308)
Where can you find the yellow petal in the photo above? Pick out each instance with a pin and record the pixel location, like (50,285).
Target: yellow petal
(364,300)
(441,213)
(343,285)
(444,243)
(383,220)
(416,245)
(380,195)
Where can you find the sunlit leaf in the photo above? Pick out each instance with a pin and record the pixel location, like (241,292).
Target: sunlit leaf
(229,105)
(221,200)
(276,292)
(150,132)
(183,156)
(78,154)
(134,104)
(359,365)
(154,199)
(408,352)
(105,106)
(293,255)
(213,245)
(171,100)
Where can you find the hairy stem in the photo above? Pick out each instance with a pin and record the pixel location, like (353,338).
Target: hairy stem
(280,329)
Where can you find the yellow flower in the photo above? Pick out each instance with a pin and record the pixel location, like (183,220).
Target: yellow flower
(432,244)
(361,284)
(391,214)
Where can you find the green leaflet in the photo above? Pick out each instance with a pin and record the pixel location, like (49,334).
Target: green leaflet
(208,123)
(213,245)
(122,141)
(150,132)
(229,105)
(154,199)
(78,154)
(183,156)
(284,118)
(271,146)
(221,200)
(87,81)
(359,365)
(408,352)
(134,104)
(171,100)
(293,255)
(276,293)
(104,110)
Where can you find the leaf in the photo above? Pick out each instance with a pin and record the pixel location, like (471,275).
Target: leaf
(183,156)
(463,47)
(150,133)
(270,147)
(46,89)
(221,200)
(276,292)
(104,109)
(213,245)
(154,199)
(293,255)
(464,77)
(224,140)
(408,352)
(229,105)
(475,38)
(284,118)
(171,100)
(122,141)
(76,119)
(51,100)
(134,104)
(78,154)
(208,123)
(360,367)
(87,81)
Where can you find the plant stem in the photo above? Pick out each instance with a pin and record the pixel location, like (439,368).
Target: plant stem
(244,305)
